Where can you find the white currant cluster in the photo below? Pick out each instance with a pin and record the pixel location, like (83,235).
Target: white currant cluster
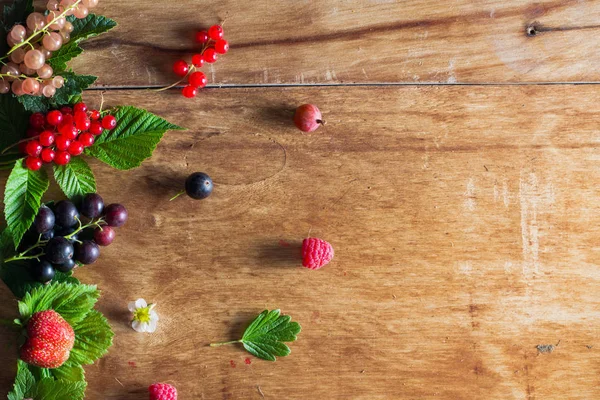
(25,70)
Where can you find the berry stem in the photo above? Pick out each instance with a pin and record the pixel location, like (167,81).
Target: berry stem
(19,258)
(98,223)
(192,69)
(225,343)
(23,255)
(18,143)
(177,195)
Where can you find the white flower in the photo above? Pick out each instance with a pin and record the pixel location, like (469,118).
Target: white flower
(145,318)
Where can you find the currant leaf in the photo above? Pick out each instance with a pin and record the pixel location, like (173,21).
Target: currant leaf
(14,121)
(68,94)
(22,198)
(137,134)
(76,179)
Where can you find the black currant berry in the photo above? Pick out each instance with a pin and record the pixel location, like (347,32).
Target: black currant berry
(115,215)
(47,235)
(66,267)
(66,214)
(59,250)
(104,236)
(87,252)
(92,205)
(199,186)
(44,220)
(42,271)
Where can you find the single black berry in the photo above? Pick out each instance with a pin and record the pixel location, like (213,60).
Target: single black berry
(47,235)
(87,252)
(92,205)
(198,186)
(42,271)
(59,250)
(104,236)
(66,214)
(115,215)
(66,266)
(44,220)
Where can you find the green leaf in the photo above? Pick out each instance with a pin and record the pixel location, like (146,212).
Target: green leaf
(137,134)
(92,25)
(17,12)
(24,382)
(7,246)
(76,179)
(50,389)
(69,93)
(14,121)
(72,302)
(22,198)
(69,372)
(17,277)
(93,337)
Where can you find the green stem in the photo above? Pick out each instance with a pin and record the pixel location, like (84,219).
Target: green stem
(97,223)
(224,343)
(19,257)
(177,195)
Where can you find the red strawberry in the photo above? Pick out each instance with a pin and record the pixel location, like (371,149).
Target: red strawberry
(162,391)
(49,340)
(316,253)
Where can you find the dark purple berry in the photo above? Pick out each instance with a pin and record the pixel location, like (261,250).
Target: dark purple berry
(104,236)
(87,252)
(115,215)
(59,250)
(66,266)
(66,214)
(44,220)
(47,235)
(199,186)
(42,271)
(92,205)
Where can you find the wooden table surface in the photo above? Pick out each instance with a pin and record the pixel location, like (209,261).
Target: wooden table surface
(457,179)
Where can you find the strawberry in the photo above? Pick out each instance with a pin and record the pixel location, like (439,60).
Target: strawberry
(49,342)
(162,391)
(316,253)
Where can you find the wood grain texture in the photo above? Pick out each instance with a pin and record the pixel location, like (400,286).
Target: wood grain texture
(465,222)
(342,41)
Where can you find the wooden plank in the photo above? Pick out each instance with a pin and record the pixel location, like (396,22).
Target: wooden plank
(465,222)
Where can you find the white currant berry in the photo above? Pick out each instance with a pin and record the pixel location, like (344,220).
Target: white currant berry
(45,72)
(34,59)
(4,87)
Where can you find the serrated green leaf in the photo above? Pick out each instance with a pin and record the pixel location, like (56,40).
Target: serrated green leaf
(17,12)
(72,302)
(7,246)
(93,337)
(137,134)
(72,89)
(50,389)
(17,277)
(69,372)
(24,382)
(14,121)
(92,25)
(76,179)
(22,198)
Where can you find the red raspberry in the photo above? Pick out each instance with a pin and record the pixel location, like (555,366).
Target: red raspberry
(162,391)
(316,253)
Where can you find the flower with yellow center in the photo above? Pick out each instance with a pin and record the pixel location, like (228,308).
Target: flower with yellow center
(145,319)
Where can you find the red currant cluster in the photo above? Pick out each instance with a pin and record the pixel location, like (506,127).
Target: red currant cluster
(213,44)
(61,134)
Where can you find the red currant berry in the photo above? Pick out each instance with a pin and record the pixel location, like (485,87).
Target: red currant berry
(62,142)
(109,122)
(202,37)
(82,122)
(31,133)
(189,92)
(221,46)
(54,117)
(96,128)
(48,155)
(62,158)
(46,138)
(198,60)
(68,131)
(197,80)
(37,120)
(33,163)
(181,68)
(215,32)
(66,110)
(80,107)
(210,55)
(34,148)
(75,148)
(94,115)
(67,120)
(86,139)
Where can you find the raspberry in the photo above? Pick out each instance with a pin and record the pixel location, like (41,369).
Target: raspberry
(316,253)
(162,391)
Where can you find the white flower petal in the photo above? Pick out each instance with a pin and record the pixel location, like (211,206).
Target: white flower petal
(153,316)
(152,326)
(141,303)
(131,306)
(137,326)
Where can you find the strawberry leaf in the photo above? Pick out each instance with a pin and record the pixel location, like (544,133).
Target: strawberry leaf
(22,198)
(72,302)
(93,337)
(137,134)
(69,372)
(50,389)
(24,382)
(76,179)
